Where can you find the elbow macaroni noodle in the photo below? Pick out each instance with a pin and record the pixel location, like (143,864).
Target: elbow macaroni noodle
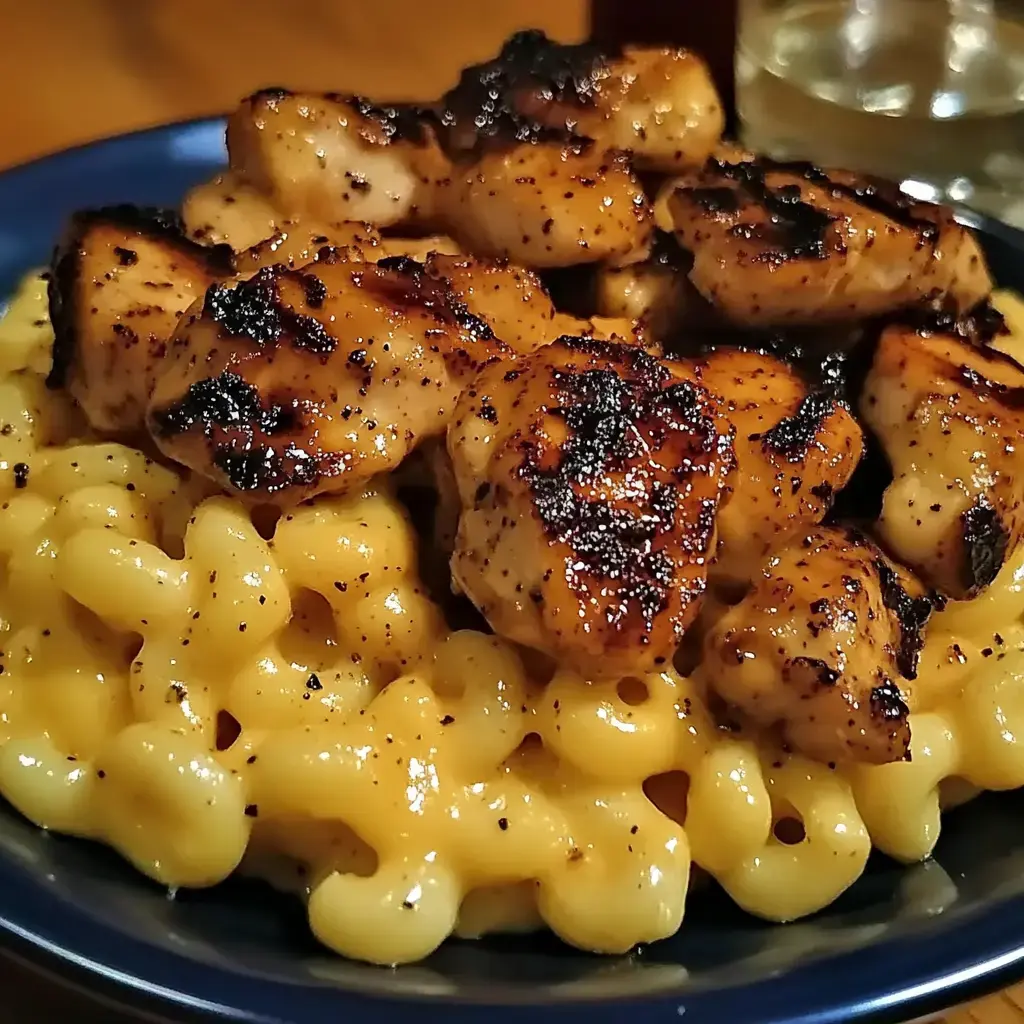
(204,699)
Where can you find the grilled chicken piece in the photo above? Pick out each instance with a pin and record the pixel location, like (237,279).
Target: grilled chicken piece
(296,382)
(658,103)
(818,647)
(227,211)
(795,448)
(550,204)
(950,416)
(331,158)
(122,277)
(590,478)
(514,303)
(777,243)
(657,292)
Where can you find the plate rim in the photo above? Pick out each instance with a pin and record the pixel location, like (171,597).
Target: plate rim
(981,953)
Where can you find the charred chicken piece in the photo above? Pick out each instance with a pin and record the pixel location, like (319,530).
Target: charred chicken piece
(818,648)
(659,103)
(122,277)
(590,479)
(297,245)
(550,204)
(228,211)
(950,416)
(296,382)
(329,158)
(658,292)
(790,243)
(514,302)
(795,449)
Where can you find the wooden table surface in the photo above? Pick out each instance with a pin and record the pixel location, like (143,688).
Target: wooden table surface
(83,69)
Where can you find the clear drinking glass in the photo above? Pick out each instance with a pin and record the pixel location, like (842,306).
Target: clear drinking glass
(927,92)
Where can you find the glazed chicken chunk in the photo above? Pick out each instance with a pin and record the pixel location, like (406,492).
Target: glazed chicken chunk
(550,204)
(658,103)
(778,243)
(300,381)
(331,158)
(950,416)
(590,478)
(296,245)
(795,448)
(122,277)
(818,648)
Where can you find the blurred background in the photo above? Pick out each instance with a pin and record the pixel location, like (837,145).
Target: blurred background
(81,69)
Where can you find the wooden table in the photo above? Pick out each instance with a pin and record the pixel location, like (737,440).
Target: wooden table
(82,69)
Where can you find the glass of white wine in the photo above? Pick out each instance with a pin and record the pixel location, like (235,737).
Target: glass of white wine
(926,92)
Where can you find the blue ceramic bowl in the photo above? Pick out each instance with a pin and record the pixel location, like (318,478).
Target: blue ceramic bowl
(902,943)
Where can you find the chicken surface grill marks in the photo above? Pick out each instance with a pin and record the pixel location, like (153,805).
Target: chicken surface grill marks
(657,103)
(796,448)
(488,101)
(306,380)
(232,415)
(590,476)
(787,243)
(603,413)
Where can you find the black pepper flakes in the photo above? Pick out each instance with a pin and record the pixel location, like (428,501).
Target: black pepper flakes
(126,257)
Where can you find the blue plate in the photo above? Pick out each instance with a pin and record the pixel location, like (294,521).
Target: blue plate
(902,943)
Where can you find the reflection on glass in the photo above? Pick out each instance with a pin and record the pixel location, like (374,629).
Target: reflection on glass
(925,90)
